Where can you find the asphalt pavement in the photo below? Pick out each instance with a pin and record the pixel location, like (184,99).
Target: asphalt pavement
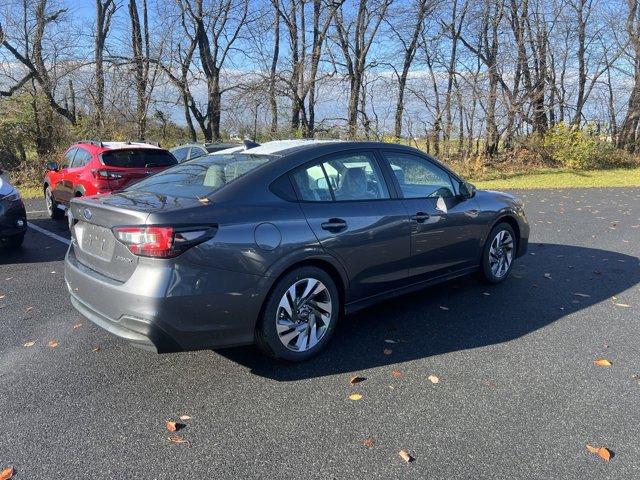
(518,396)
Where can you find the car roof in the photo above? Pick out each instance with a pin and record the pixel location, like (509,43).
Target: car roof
(105,146)
(206,145)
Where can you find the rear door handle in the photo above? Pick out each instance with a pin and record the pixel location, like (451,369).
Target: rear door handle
(334,225)
(420,217)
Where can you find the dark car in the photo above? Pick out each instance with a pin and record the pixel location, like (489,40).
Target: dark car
(190,151)
(13,216)
(274,244)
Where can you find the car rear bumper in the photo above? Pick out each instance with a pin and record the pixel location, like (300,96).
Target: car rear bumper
(13,218)
(168,308)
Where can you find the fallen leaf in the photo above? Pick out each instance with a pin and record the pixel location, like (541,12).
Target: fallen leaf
(603,452)
(405,456)
(174,426)
(28,309)
(443,308)
(356,379)
(7,473)
(387,351)
(583,295)
(355,396)
(602,362)
(95,349)
(77,326)
(547,275)
(368,442)
(53,344)
(29,344)
(433,379)
(185,417)
(396,373)
(2,296)
(623,305)
(388,340)
(486,293)
(176,439)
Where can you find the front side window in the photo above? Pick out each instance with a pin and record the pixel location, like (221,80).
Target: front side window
(181,154)
(418,177)
(353,176)
(201,177)
(68,158)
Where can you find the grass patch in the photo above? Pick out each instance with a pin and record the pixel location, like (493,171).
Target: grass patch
(559,178)
(31,192)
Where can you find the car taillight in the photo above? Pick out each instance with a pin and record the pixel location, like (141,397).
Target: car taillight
(161,242)
(106,174)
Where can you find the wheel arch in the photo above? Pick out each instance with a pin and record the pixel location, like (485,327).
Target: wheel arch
(510,220)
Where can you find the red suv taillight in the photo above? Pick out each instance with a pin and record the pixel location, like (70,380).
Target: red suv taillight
(106,174)
(161,242)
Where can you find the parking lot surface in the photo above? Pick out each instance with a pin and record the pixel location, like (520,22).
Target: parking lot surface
(518,396)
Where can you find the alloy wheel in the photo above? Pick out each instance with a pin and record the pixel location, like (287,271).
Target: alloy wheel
(303,314)
(501,253)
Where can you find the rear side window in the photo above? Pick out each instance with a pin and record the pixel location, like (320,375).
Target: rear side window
(138,158)
(81,159)
(353,176)
(201,177)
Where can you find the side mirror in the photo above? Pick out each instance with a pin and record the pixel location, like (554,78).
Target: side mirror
(467,190)
(52,166)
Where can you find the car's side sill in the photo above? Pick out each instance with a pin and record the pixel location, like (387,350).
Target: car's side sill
(366,302)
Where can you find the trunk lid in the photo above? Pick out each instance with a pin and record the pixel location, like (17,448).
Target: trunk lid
(93,242)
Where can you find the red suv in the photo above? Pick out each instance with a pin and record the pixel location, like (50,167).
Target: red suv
(96,168)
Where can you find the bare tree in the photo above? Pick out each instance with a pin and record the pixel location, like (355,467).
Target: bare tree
(104,14)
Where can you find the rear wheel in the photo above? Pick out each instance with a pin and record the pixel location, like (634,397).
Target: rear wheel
(52,207)
(300,315)
(498,254)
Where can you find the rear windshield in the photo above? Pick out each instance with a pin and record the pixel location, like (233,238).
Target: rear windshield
(138,158)
(201,177)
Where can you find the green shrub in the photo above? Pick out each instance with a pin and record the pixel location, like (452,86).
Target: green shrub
(579,148)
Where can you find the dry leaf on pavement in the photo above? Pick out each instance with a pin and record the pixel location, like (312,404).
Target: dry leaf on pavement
(7,473)
(355,396)
(185,417)
(396,373)
(52,344)
(583,295)
(387,351)
(95,349)
(77,326)
(29,344)
(368,442)
(433,379)
(356,379)
(603,452)
(174,426)
(442,307)
(405,456)
(602,362)
(176,439)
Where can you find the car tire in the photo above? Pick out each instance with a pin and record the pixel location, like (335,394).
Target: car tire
(52,207)
(498,254)
(14,242)
(295,326)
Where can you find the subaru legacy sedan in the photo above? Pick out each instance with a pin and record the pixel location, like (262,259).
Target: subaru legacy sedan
(275,244)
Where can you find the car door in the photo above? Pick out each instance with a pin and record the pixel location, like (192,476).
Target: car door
(348,205)
(445,225)
(75,171)
(62,189)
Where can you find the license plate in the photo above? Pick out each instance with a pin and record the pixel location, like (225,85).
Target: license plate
(95,240)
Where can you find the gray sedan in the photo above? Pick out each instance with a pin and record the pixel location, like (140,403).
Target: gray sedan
(274,245)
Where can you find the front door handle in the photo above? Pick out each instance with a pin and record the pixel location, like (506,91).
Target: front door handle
(420,217)
(334,225)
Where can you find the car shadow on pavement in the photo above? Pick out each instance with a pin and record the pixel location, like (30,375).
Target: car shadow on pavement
(37,247)
(549,283)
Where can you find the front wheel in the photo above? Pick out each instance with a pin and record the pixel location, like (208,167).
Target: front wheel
(52,207)
(14,242)
(498,254)
(300,315)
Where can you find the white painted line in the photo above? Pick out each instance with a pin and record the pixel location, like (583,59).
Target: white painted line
(37,211)
(49,234)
